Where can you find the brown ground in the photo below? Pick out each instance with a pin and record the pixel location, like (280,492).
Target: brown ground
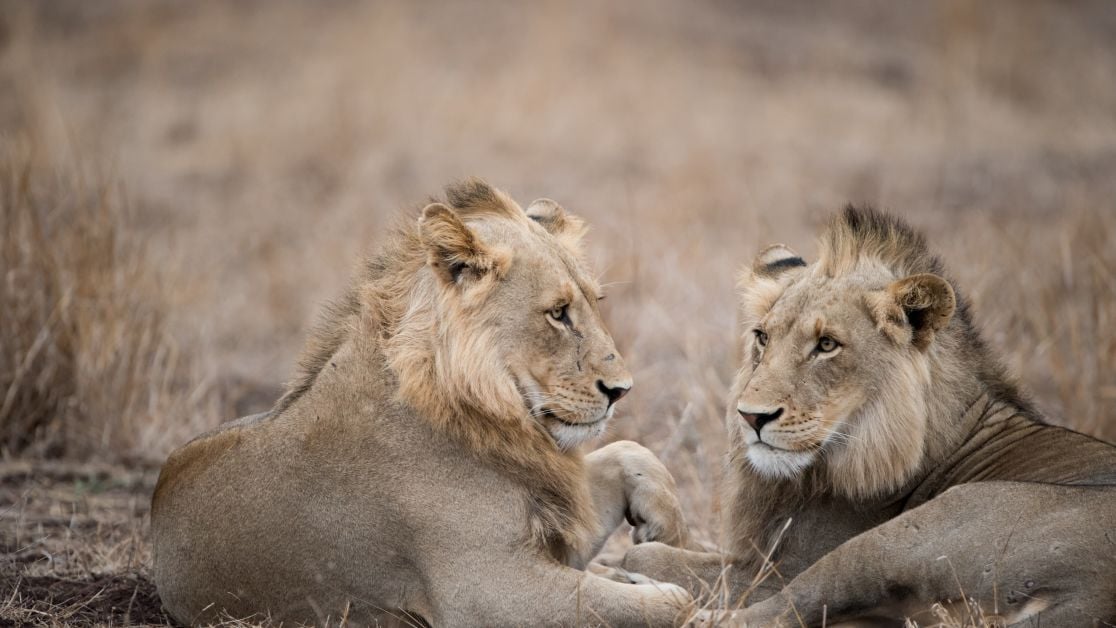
(182,184)
(73,545)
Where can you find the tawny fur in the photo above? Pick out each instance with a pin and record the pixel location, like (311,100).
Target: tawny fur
(424,461)
(906,443)
(461,395)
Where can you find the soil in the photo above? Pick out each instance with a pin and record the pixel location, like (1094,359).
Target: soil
(73,545)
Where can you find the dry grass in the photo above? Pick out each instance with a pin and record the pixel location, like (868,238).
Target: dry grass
(87,367)
(235,158)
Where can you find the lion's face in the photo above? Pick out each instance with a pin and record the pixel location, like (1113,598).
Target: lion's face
(528,326)
(559,353)
(827,359)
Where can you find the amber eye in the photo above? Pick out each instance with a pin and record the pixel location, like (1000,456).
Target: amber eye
(761,337)
(559,313)
(827,344)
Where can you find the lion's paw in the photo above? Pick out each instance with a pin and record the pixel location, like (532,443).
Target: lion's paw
(644,558)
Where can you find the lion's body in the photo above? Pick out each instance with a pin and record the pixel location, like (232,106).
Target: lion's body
(313,525)
(387,483)
(910,468)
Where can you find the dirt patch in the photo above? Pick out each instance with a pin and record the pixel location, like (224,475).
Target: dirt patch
(110,599)
(73,545)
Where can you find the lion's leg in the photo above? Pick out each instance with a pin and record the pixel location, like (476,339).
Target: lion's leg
(541,593)
(1017,549)
(606,483)
(628,481)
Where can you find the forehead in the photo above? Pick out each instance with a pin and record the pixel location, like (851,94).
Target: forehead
(815,296)
(537,255)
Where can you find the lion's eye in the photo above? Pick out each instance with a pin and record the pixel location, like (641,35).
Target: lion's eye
(761,337)
(559,313)
(827,344)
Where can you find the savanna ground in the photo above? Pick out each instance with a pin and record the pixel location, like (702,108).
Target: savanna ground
(181,185)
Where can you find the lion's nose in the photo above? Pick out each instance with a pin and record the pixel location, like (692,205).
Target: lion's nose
(614,393)
(758,419)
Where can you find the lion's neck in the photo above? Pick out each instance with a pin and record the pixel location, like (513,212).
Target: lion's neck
(964,375)
(968,391)
(954,388)
(492,428)
(913,422)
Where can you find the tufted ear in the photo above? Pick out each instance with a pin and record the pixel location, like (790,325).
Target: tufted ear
(913,309)
(556,221)
(762,283)
(454,251)
(776,260)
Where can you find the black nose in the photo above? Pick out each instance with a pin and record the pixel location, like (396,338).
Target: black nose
(613,394)
(757,421)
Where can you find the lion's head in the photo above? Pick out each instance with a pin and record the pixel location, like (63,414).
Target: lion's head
(489,321)
(838,355)
(482,317)
(512,316)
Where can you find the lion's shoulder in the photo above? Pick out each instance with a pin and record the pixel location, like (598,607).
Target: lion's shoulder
(201,452)
(1014,445)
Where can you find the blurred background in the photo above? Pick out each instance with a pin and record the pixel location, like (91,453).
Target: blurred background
(182,184)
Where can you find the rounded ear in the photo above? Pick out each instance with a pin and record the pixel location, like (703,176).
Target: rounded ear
(760,285)
(555,220)
(455,252)
(914,308)
(776,260)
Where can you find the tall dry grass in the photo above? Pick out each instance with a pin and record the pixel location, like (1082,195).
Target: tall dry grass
(87,365)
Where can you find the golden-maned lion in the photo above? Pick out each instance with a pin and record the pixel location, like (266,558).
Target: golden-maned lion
(424,463)
(870,414)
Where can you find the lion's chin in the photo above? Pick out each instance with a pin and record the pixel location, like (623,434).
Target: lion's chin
(777,463)
(569,434)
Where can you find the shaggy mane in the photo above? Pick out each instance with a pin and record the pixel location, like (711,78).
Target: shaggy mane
(864,233)
(860,233)
(389,274)
(474,196)
(452,380)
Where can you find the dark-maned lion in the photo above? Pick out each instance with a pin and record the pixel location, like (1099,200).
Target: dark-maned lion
(869,412)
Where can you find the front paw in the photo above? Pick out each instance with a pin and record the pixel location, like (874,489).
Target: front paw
(652,509)
(657,530)
(646,558)
(618,574)
(656,516)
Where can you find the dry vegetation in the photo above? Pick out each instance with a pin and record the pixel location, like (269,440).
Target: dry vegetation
(89,366)
(182,184)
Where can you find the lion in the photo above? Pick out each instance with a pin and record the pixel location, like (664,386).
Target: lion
(424,464)
(882,461)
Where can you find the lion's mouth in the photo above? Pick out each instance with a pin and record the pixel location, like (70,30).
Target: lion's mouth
(541,412)
(549,414)
(766,446)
